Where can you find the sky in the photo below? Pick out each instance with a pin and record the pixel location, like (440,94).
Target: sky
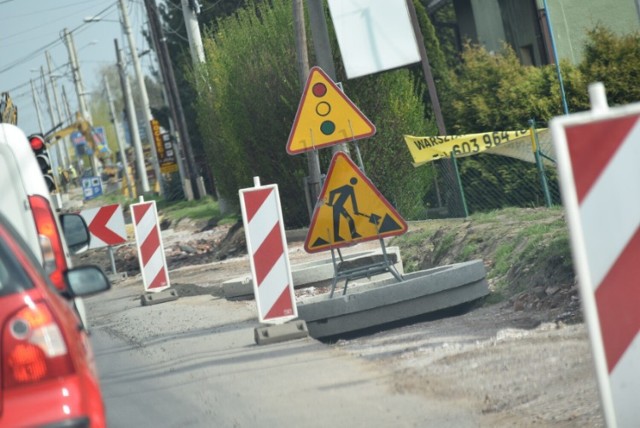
(29,28)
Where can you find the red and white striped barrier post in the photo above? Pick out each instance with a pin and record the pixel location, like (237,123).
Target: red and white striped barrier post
(153,265)
(598,155)
(267,248)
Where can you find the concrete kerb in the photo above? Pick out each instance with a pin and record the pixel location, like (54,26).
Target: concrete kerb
(153,298)
(292,330)
(117,277)
(384,301)
(315,273)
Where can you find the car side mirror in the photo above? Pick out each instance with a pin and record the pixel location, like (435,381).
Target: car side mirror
(86,280)
(76,232)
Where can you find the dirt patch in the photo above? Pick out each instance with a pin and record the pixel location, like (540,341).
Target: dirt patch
(187,244)
(526,255)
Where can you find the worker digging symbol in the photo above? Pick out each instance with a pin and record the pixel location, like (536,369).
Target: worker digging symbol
(348,199)
(338,198)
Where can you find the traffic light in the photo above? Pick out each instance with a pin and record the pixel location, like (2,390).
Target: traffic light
(44,162)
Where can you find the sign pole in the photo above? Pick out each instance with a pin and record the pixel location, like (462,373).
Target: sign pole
(113,260)
(565,107)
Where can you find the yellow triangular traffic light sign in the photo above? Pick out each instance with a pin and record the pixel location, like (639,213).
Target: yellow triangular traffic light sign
(325,117)
(350,209)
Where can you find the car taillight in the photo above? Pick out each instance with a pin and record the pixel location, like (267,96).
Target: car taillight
(53,256)
(33,347)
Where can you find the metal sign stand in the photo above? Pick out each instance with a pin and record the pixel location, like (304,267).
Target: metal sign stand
(114,273)
(367,271)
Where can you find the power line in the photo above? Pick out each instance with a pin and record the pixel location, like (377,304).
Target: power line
(49,45)
(29,56)
(37,30)
(21,15)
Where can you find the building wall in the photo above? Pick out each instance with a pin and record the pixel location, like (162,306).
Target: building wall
(490,31)
(491,23)
(522,30)
(572,19)
(465,20)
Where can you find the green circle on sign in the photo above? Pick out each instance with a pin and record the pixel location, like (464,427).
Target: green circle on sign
(327,127)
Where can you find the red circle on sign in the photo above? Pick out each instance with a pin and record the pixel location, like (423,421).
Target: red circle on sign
(319,89)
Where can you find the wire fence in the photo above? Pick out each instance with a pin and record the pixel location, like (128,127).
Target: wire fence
(512,172)
(517,174)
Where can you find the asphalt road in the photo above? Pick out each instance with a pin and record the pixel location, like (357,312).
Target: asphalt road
(193,362)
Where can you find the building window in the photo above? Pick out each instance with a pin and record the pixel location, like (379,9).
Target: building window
(526,55)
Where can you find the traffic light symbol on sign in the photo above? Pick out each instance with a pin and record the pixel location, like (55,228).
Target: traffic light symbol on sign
(325,117)
(323,108)
(44,162)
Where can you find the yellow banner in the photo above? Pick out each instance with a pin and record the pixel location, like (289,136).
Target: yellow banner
(427,149)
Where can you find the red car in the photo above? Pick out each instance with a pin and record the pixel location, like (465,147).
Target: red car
(48,375)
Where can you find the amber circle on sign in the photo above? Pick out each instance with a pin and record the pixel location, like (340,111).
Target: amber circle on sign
(323,108)
(319,89)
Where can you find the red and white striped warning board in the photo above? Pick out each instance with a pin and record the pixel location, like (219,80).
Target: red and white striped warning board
(598,157)
(106,225)
(267,248)
(153,264)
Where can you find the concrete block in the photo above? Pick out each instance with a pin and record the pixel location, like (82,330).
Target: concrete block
(388,300)
(166,295)
(118,276)
(296,329)
(315,273)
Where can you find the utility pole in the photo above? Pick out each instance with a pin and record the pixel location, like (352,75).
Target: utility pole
(320,35)
(69,119)
(52,82)
(190,9)
(133,122)
(82,103)
(313,158)
(146,110)
(322,47)
(61,146)
(180,160)
(48,98)
(118,129)
(54,159)
(175,104)
(36,103)
(426,69)
(77,77)
(65,103)
(448,166)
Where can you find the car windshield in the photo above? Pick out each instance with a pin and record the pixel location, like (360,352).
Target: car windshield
(13,278)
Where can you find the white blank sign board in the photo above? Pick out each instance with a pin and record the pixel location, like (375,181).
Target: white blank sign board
(373,35)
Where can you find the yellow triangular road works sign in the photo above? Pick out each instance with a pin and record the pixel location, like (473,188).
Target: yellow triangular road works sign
(350,209)
(325,117)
